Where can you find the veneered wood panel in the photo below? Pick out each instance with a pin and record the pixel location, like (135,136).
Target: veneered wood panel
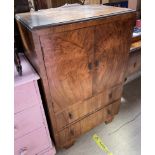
(68,58)
(68,135)
(112,45)
(62,51)
(84,108)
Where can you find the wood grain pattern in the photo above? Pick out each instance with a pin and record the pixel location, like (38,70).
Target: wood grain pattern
(84,24)
(81,64)
(111,53)
(84,108)
(67,59)
(64,15)
(68,135)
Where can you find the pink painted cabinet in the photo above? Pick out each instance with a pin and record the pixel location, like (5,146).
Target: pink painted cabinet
(30,126)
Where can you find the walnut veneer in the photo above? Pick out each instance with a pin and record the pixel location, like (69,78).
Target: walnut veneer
(81,54)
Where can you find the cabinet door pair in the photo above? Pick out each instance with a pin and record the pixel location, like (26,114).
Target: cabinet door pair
(83,62)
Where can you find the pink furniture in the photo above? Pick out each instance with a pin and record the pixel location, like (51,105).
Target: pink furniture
(30,126)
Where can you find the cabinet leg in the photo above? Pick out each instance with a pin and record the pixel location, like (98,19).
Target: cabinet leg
(109,120)
(69,144)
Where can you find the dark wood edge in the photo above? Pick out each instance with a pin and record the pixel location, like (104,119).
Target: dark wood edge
(71,21)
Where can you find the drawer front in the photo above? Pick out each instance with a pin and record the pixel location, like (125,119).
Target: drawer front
(32,143)
(98,117)
(27,121)
(25,96)
(134,62)
(70,133)
(89,106)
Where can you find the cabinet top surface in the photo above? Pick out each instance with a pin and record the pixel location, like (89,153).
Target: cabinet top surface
(67,14)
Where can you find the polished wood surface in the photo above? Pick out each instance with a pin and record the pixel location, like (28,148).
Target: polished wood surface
(82,68)
(67,58)
(111,53)
(66,137)
(63,15)
(84,108)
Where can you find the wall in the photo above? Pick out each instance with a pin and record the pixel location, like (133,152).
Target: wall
(134,4)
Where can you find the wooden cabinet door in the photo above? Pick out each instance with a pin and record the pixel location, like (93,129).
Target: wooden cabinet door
(68,57)
(112,44)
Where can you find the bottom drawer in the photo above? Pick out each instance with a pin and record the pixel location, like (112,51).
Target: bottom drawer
(70,133)
(33,143)
(87,107)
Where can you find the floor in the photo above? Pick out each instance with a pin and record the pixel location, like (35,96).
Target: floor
(123,135)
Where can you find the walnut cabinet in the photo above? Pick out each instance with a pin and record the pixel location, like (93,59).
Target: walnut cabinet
(81,55)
